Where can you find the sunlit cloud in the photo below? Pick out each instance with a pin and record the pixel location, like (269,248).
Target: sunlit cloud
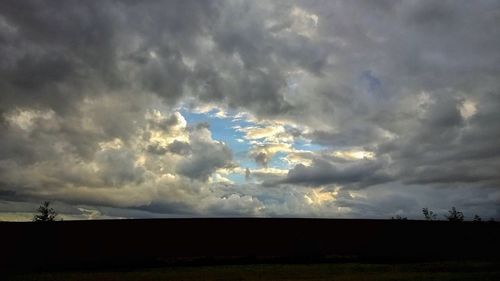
(236,108)
(354,154)
(468,109)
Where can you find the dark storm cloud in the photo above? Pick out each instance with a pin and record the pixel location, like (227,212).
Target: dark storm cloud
(324,172)
(445,148)
(414,82)
(419,46)
(51,53)
(54,54)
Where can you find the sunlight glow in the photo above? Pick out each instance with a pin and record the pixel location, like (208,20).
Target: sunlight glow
(468,109)
(354,154)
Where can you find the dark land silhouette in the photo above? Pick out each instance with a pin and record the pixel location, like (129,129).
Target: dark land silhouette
(166,242)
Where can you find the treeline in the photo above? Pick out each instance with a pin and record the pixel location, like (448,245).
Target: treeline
(453,215)
(47,214)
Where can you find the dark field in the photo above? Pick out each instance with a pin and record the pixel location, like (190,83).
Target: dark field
(250,249)
(415,271)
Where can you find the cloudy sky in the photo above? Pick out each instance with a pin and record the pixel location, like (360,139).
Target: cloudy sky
(339,109)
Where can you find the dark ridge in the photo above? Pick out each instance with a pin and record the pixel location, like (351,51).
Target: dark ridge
(159,242)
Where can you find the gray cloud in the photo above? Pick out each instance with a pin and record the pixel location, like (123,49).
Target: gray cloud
(178,147)
(323,172)
(117,167)
(261,158)
(207,156)
(413,82)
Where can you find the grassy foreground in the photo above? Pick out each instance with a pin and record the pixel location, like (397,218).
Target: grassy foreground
(355,271)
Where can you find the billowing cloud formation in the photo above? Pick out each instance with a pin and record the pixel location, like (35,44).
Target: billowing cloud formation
(348,108)
(323,172)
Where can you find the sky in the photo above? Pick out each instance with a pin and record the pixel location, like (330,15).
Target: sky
(331,109)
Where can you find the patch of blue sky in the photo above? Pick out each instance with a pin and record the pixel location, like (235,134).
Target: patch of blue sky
(222,129)
(225,129)
(244,162)
(236,177)
(301,144)
(247,162)
(278,162)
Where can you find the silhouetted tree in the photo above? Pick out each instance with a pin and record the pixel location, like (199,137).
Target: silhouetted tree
(455,215)
(46,213)
(429,215)
(477,218)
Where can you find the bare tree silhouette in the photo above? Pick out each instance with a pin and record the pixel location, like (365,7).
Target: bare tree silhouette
(46,213)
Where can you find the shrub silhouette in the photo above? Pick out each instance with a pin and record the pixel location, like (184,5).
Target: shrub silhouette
(46,213)
(429,215)
(477,218)
(455,215)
